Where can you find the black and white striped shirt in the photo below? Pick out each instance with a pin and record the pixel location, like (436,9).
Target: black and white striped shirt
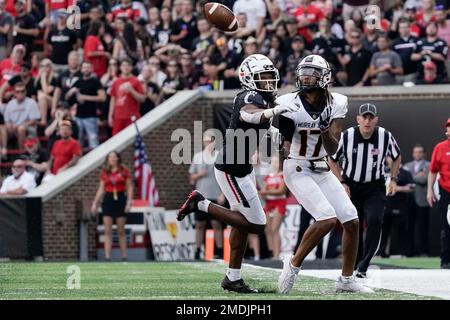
(363,160)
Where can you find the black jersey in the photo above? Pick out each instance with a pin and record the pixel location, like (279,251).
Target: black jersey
(242,139)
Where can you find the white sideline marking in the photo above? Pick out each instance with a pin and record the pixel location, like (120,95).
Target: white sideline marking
(424,282)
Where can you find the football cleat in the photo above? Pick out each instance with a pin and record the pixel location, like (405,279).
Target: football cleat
(361,274)
(191,204)
(288,276)
(238,286)
(350,285)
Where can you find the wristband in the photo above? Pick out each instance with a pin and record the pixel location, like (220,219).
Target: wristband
(394,179)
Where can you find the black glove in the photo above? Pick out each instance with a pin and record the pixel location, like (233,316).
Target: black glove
(325,120)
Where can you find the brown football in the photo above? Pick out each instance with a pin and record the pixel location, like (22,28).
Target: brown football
(220,16)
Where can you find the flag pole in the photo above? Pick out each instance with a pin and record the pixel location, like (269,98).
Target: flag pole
(134,119)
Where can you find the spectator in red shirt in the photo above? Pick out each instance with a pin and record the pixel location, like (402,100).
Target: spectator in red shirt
(426,14)
(115,184)
(11,66)
(66,151)
(94,50)
(127,93)
(440,163)
(306,15)
(10,8)
(126,9)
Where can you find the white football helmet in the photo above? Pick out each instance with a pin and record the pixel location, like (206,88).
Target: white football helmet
(314,66)
(250,73)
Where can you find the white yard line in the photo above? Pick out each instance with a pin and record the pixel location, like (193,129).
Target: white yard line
(425,282)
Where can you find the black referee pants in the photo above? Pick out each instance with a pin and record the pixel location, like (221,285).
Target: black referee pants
(370,201)
(444,203)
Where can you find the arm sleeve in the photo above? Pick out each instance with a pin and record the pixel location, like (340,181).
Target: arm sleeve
(29,183)
(373,59)
(435,166)
(261,11)
(139,87)
(76,149)
(418,47)
(35,114)
(286,126)
(442,49)
(341,109)
(113,91)
(90,46)
(3,188)
(397,61)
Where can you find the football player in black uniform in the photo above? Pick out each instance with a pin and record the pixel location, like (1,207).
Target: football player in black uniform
(252,110)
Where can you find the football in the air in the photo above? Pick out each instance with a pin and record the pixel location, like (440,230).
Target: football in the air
(220,16)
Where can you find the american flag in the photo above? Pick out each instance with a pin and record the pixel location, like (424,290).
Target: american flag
(143,173)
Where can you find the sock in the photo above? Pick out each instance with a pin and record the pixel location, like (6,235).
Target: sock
(296,269)
(203,205)
(346,278)
(234,274)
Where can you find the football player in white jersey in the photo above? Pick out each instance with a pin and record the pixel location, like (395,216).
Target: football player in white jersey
(311,134)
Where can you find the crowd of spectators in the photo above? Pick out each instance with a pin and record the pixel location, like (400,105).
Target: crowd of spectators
(97,66)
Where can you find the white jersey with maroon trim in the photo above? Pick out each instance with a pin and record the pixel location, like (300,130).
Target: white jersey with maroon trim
(302,128)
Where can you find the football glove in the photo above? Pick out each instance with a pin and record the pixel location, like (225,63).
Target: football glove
(325,120)
(270,113)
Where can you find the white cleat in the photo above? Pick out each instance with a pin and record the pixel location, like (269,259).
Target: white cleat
(350,285)
(288,275)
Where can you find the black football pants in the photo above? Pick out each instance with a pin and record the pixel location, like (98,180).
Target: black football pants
(370,201)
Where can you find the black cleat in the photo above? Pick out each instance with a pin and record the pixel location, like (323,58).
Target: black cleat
(190,205)
(238,286)
(361,274)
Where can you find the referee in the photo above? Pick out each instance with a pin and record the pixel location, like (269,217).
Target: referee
(363,150)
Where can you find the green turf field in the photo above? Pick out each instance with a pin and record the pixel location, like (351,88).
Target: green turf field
(158,281)
(419,263)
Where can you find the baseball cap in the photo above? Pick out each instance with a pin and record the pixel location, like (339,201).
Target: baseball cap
(20,47)
(61,14)
(30,142)
(20,1)
(410,7)
(250,40)
(448,123)
(298,38)
(368,108)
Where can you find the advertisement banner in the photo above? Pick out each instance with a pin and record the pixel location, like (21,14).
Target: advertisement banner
(172,240)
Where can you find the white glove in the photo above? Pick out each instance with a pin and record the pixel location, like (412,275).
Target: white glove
(325,119)
(270,113)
